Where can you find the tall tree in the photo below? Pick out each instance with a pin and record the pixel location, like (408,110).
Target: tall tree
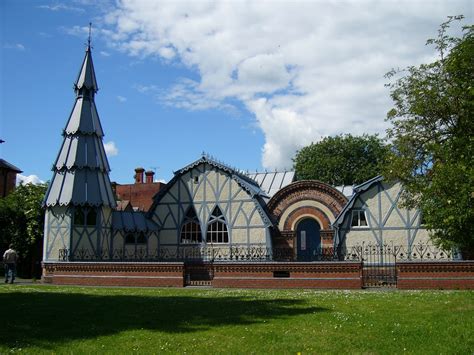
(22,223)
(433,137)
(341,160)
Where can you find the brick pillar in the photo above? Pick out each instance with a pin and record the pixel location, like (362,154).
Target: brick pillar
(139,175)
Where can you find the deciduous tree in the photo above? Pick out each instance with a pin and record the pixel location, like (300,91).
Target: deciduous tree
(433,137)
(341,160)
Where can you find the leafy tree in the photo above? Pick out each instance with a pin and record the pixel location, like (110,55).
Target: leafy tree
(22,223)
(433,138)
(341,160)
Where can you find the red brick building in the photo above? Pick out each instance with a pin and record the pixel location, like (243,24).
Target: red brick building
(8,174)
(139,194)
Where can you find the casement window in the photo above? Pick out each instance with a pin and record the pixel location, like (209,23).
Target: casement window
(217,228)
(85,216)
(191,229)
(359,219)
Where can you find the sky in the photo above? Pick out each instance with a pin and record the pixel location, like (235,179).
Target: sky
(248,82)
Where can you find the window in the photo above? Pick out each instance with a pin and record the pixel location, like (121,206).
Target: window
(217,228)
(358,218)
(84,216)
(191,229)
(141,239)
(129,239)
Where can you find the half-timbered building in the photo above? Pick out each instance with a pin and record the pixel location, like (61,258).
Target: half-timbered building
(210,222)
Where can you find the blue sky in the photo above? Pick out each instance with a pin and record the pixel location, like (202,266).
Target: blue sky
(248,82)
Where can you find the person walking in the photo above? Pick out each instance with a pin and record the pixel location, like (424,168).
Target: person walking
(9,259)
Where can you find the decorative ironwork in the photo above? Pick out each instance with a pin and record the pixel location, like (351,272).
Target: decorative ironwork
(368,254)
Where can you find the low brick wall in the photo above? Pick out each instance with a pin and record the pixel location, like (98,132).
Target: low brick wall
(114,274)
(435,275)
(342,275)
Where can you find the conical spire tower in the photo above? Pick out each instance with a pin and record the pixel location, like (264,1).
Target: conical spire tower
(81,170)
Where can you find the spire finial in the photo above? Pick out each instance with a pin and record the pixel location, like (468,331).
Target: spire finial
(89,38)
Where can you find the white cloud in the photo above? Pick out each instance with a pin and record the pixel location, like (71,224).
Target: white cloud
(104,54)
(304,69)
(111,149)
(61,7)
(29,179)
(17,46)
(121,98)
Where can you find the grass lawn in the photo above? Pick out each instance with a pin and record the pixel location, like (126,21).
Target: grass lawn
(50,319)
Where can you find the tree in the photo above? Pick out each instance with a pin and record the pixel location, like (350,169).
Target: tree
(433,138)
(341,160)
(22,223)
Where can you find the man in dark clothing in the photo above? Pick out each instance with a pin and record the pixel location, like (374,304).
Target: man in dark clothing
(9,259)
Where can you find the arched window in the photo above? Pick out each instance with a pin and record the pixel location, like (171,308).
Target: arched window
(217,227)
(191,230)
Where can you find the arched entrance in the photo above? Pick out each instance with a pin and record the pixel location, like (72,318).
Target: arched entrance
(308,233)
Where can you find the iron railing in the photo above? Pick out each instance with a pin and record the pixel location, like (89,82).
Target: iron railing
(387,254)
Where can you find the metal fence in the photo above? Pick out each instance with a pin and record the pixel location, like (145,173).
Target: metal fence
(386,254)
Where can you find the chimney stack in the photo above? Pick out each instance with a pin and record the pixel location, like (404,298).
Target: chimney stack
(149,176)
(139,175)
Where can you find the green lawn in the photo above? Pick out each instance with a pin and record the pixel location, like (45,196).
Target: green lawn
(49,319)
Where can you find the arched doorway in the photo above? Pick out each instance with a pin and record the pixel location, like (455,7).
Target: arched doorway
(308,239)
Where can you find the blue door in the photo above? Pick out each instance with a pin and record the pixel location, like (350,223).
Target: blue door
(309,239)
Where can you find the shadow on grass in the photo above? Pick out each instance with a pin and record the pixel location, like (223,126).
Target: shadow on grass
(46,318)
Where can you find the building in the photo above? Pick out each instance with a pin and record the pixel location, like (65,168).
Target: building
(138,195)
(8,174)
(211,223)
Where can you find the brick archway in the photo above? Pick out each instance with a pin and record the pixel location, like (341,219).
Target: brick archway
(309,198)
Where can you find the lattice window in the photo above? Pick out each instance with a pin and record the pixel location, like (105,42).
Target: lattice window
(358,218)
(191,229)
(217,228)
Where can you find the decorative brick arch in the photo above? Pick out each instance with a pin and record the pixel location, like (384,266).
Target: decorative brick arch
(303,212)
(301,200)
(307,190)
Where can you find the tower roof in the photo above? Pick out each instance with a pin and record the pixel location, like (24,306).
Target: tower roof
(86,77)
(81,170)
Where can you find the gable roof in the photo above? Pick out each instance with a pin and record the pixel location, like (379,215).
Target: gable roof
(248,184)
(356,192)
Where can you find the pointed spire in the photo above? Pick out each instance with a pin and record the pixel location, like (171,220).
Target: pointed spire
(81,170)
(86,77)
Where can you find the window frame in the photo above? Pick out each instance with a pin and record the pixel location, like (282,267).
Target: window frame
(217,218)
(359,213)
(190,227)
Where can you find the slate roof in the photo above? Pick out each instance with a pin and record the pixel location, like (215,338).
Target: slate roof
(81,170)
(86,77)
(132,221)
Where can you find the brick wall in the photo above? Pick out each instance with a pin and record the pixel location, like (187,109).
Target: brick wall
(114,274)
(345,275)
(436,275)
(140,195)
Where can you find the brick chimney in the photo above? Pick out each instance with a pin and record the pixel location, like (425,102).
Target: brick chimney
(139,175)
(149,176)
